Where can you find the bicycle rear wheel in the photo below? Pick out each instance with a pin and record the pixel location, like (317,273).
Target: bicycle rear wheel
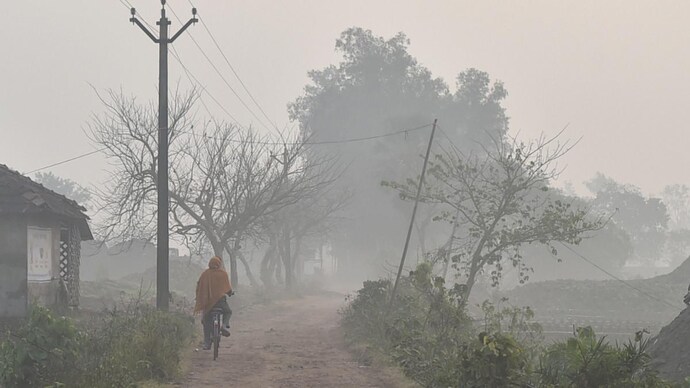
(216,344)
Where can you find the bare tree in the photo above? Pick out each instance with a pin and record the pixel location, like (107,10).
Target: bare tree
(501,201)
(223,180)
(308,221)
(128,133)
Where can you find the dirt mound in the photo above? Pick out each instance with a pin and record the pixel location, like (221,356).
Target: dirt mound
(609,298)
(680,274)
(670,349)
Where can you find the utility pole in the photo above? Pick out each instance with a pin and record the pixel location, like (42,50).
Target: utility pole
(414,213)
(162,260)
(287,251)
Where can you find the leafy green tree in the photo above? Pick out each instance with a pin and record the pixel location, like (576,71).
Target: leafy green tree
(379,88)
(644,219)
(64,186)
(503,203)
(677,247)
(610,248)
(677,200)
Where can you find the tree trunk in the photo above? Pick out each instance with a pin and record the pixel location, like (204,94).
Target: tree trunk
(247,269)
(268,263)
(217,249)
(287,259)
(471,278)
(234,279)
(298,260)
(421,236)
(449,245)
(276,267)
(235,253)
(321,258)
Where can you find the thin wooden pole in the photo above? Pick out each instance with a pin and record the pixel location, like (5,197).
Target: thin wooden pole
(414,213)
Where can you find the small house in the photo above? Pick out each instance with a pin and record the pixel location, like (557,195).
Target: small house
(40,236)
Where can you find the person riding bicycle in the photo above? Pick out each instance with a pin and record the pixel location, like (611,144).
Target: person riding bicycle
(211,291)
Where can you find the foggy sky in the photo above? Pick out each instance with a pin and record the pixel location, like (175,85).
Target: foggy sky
(618,72)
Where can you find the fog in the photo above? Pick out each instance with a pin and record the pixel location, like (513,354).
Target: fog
(551,136)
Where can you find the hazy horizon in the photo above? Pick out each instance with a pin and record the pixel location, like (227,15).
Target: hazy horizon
(614,72)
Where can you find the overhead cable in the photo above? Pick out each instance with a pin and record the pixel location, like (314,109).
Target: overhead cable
(344,141)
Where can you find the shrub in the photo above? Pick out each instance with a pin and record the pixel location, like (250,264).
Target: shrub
(496,360)
(118,349)
(587,361)
(133,343)
(428,333)
(421,330)
(40,353)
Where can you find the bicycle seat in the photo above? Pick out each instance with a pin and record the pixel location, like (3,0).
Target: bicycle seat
(216,310)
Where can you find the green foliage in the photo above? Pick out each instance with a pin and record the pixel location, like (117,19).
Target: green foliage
(428,333)
(64,186)
(514,321)
(365,315)
(501,202)
(644,219)
(677,200)
(140,342)
(118,349)
(496,360)
(41,352)
(587,361)
(379,87)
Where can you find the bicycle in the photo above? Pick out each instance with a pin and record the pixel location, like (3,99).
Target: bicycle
(216,316)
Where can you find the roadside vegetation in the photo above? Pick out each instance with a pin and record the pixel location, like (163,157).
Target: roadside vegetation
(117,348)
(428,333)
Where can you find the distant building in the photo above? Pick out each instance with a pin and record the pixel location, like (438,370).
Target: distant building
(40,236)
(121,260)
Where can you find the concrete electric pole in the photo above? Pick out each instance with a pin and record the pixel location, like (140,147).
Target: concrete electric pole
(162,265)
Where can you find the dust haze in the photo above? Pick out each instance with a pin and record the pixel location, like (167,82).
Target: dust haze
(387,182)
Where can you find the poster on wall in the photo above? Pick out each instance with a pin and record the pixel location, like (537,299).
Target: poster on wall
(40,254)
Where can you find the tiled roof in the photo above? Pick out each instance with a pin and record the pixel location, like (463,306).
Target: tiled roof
(21,195)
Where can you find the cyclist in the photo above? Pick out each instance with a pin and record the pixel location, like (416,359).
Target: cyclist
(211,291)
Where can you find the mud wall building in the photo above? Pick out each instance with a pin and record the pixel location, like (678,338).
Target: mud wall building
(40,236)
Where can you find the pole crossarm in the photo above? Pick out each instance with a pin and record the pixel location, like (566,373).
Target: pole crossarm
(143,28)
(148,33)
(189,23)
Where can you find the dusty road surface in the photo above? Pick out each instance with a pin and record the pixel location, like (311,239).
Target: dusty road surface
(295,343)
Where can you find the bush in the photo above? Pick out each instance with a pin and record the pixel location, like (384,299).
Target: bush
(41,353)
(134,343)
(118,349)
(421,331)
(587,361)
(428,333)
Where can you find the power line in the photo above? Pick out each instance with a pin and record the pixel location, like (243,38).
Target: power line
(232,68)
(619,279)
(588,260)
(194,80)
(149,25)
(352,140)
(220,74)
(66,161)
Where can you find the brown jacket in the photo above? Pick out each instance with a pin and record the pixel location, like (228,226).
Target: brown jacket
(212,285)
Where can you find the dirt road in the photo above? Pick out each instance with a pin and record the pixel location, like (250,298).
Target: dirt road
(295,343)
